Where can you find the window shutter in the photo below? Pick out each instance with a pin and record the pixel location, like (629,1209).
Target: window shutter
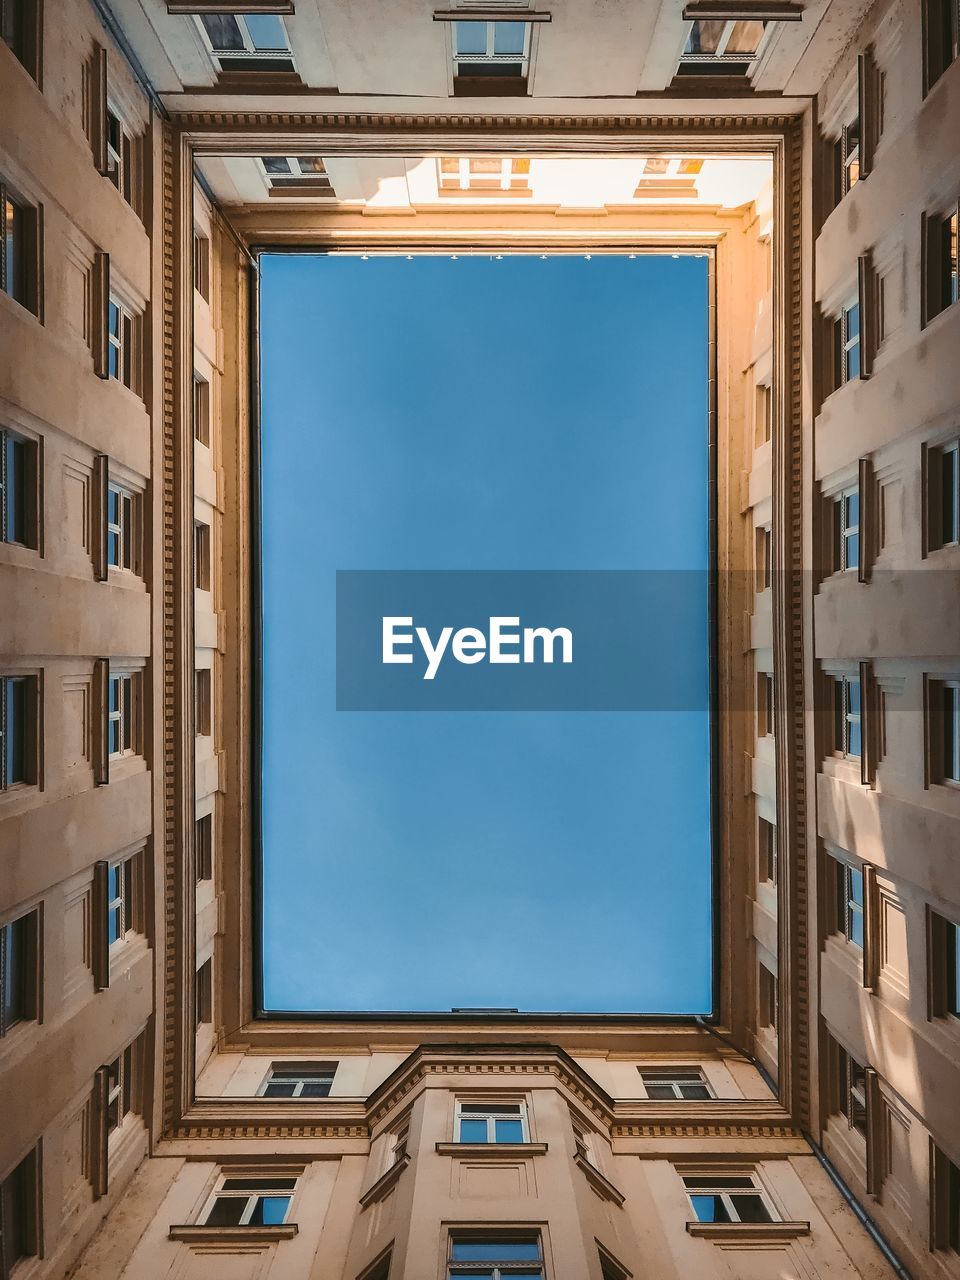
(100,1137)
(866,296)
(871,953)
(101,699)
(100,932)
(868,531)
(100,314)
(867,107)
(101,477)
(869,726)
(97,108)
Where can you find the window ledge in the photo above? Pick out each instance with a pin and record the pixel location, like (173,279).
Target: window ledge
(737,1233)
(199,1234)
(603,1186)
(385,1183)
(491,1149)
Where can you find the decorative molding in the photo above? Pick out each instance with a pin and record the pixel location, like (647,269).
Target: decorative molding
(736,1234)
(226,1239)
(491,1150)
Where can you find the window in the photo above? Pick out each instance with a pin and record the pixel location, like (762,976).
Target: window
(19,1215)
(944,967)
(764,555)
(201,556)
(201,410)
(203,846)
(18,490)
(119,147)
(766,851)
(846,531)
(204,994)
(847,735)
(849,1087)
(120,1084)
(764,704)
(121,714)
(201,265)
(491,1122)
(941,38)
(20,273)
(122,528)
(123,361)
(202,702)
(123,915)
(848,883)
(727,1198)
(768,999)
(721,46)
(849,145)
(943,495)
(504,1253)
(247,42)
(610,1269)
(946,696)
(497,53)
(763,415)
(689,1085)
(299,1080)
(846,344)
(18,730)
(499,177)
(250,1201)
(941,267)
(296,173)
(20,31)
(19,941)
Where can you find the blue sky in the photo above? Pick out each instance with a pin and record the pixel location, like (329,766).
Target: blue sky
(479,414)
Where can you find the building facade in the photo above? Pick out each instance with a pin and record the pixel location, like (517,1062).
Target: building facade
(153,1123)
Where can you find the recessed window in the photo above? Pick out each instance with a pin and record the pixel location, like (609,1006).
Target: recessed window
(250,1201)
(123,355)
(491,57)
(768,999)
(846,344)
(203,846)
(201,265)
(941,43)
(201,410)
(298,173)
(491,1122)
(766,851)
(20,275)
(18,490)
(203,995)
(848,1087)
(299,1080)
(120,1087)
(19,950)
(946,1202)
(763,557)
(20,31)
(848,894)
(122,528)
(944,967)
(728,1198)
(610,1269)
(763,415)
(846,530)
(123,906)
(941,265)
(203,701)
(495,1255)
(847,731)
(19,1215)
(943,495)
(721,46)
(122,691)
(849,157)
(201,556)
(497,177)
(765,709)
(120,152)
(945,696)
(247,42)
(668,1085)
(18,730)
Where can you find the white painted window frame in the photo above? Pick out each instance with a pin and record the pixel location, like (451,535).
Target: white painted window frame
(492,1112)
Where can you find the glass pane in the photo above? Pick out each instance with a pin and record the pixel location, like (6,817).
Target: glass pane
(473,1130)
(223,30)
(710,1209)
(113,506)
(750,1208)
(856,886)
(114,695)
(853,322)
(266,31)
(495,1251)
(745,37)
(856,928)
(279,1089)
(113,926)
(269,1211)
(509,37)
(311,164)
(660,1091)
(705,37)
(470,37)
(10,241)
(694,1091)
(227,1211)
(854,743)
(114,737)
(509,1131)
(275,164)
(13,941)
(315,1089)
(113,548)
(853,696)
(852,509)
(851,554)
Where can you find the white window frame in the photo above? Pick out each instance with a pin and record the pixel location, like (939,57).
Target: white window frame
(117,169)
(489,58)
(125,682)
(297,172)
(847,878)
(844,531)
(842,685)
(493,1111)
(950,451)
(848,343)
(726,1195)
(850,155)
(121,1091)
(464,177)
(122,903)
(498,1270)
(252,1195)
(949,691)
(126,511)
(720,53)
(249,49)
(124,343)
(676,1078)
(309,1075)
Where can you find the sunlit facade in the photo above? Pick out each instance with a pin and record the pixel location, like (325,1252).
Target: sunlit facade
(153,1124)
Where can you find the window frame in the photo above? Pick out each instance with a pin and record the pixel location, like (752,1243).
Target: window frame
(203,994)
(308,1073)
(844,717)
(202,555)
(282,59)
(941,39)
(21,933)
(123,353)
(699,1185)
(126,530)
(123,900)
(849,909)
(21,259)
(720,61)
(123,689)
(844,531)
(849,1093)
(251,1195)
(490,58)
(768,999)
(767,868)
(22,721)
(19,474)
(22,1184)
(492,1111)
(498,1269)
(676,1078)
(297,177)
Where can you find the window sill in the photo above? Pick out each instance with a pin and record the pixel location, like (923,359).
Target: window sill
(737,1233)
(603,1186)
(491,1149)
(385,1183)
(188,1234)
